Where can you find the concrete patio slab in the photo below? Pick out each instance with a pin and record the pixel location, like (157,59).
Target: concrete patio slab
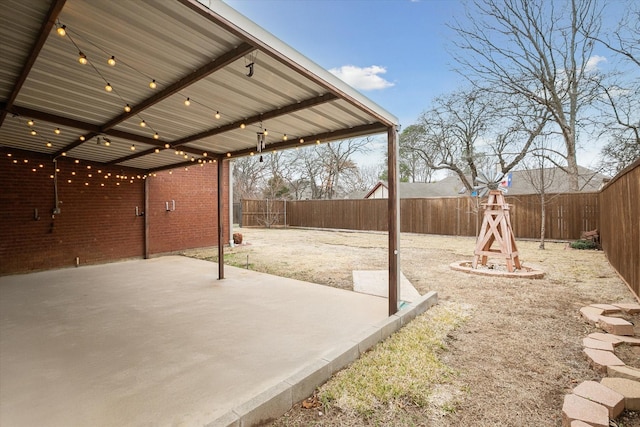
(376,282)
(163,342)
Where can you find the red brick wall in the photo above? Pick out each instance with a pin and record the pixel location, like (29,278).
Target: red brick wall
(97,222)
(193,222)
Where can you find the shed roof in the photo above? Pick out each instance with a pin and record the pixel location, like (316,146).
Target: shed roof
(193,52)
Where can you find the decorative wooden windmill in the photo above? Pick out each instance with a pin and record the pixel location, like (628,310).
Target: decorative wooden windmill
(496,225)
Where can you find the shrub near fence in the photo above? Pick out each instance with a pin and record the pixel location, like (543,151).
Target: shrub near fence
(567,215)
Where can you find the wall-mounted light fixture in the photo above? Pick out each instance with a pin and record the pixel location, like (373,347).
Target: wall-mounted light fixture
(170,206)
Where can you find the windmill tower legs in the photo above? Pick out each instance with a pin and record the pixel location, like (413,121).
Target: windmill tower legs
(496,228)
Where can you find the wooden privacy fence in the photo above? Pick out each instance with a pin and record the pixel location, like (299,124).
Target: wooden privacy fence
(620,224)
(567,215)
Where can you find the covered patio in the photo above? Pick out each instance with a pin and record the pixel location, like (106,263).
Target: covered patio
(164,342)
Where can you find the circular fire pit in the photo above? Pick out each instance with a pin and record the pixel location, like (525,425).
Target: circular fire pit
(496,270)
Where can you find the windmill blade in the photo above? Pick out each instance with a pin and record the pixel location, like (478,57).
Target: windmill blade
(498,176)
(481,178)
(484,192)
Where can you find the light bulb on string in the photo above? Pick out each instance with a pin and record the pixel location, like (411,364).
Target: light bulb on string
(127,108)
(187,102)
(167,145)
(153,84)
(112,61)
(62,31)
(217,115)
(82,58)
(49,144)
(31,122)
(156,136)
(143,124)
(157,150)
(82,138)
(265,132)
(33,132)
(133,147)
(285,137)
(108,87)
(56,131)
(242,126)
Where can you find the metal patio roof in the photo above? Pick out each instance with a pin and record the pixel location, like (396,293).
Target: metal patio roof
(193,52)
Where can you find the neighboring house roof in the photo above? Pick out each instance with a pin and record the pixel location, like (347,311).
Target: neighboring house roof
(522,182)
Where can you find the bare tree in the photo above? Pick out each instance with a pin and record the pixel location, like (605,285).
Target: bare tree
(248,178)
(535,50)
(412,166)
(538,171)
(468,131)
(621,94)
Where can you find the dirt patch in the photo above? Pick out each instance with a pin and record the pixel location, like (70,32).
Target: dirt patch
(516,356)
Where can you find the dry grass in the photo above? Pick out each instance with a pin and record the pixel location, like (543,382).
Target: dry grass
(509,364)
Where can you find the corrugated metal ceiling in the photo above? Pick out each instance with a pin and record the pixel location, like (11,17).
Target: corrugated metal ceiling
(191,51)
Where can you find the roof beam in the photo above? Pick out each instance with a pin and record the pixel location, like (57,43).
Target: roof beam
(199,74)
(93,130)
(258,117)
(311,139)
(45,30)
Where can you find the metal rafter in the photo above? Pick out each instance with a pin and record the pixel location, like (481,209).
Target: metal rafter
(219,63)
(45,30)
(311,139)
(258,117)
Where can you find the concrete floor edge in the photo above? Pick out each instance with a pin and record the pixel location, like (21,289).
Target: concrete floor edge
(277,400)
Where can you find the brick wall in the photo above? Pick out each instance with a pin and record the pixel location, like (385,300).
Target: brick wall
(193,222)
(97,221)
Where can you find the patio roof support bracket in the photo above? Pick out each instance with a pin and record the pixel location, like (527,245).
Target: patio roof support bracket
(393,219)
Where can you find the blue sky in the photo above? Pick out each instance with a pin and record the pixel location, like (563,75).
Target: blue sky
(394,51)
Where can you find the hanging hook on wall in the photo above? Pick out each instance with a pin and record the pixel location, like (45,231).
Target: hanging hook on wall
(249,61)
(250,66)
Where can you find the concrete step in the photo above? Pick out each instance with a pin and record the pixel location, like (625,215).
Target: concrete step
(615,325)
(607,308)
(600,359)
(607,338)
(631,308)
(623,372)
(597,344)
(630,389)
(599,393)
(581,409)
(591,314)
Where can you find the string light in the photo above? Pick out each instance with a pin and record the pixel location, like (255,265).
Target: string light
(153,84)
(56,131)
(82,138)
(284,137)
(156,136)
(167,145)
(62,31)
(187,102)
(34,133)
(82,58)
(157,150)
(242,126)
(31,122)
(127,108)
(301,140)
(265,132)
(112,61)
(108,87)
(217,116)
(49,144)
(133,147)
(143,124)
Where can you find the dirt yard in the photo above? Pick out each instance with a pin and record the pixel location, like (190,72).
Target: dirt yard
(519,352)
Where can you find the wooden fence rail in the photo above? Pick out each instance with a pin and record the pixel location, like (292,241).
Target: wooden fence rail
(567,215)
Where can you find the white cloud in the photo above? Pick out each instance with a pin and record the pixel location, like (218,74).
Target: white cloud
(367,78)
(592,63)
